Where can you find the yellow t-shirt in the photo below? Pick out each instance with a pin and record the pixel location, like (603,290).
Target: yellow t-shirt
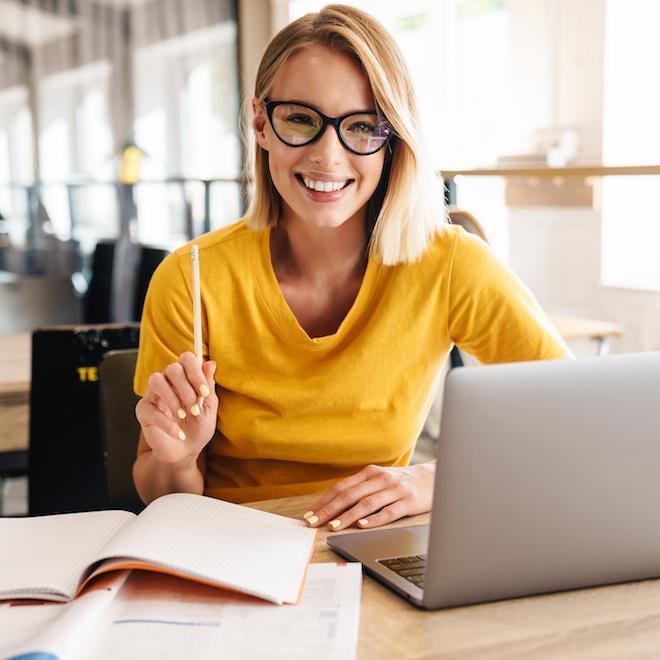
(297,414)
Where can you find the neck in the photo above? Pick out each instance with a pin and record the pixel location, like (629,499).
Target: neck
(319,255)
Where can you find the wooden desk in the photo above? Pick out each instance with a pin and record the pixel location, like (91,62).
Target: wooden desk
(621,621)
(15,375)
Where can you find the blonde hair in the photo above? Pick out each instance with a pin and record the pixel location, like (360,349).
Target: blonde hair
(407,207)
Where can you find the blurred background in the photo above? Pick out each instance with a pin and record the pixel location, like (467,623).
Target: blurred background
(119,124)
(120,140)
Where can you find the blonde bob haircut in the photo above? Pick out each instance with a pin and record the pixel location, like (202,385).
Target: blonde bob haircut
(407,208)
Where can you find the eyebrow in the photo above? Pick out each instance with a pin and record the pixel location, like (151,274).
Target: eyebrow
(312,105)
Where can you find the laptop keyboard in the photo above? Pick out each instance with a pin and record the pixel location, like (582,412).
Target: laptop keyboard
(412,568)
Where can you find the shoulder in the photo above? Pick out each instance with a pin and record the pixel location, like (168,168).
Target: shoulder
(450,243)
(454,238)
(227,239)
(467,253)
(218,249)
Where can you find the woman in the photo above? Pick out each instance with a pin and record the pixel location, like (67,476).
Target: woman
(331,306)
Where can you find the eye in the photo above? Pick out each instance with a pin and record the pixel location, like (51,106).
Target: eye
(362,127)
(299,118)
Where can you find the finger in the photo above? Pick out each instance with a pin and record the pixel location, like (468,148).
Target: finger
(388,514)
(364,474)
(165,409)
(346,499)
(164,395)
(209,368)
(194,373)
(176,376)
(156,418)
(365,508)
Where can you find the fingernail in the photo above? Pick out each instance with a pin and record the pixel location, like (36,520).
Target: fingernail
(333,524)
(182,435)
(181,413)
(204,390)
(308,515)
(194,409)
(362,522)
(215,366)
(312,520)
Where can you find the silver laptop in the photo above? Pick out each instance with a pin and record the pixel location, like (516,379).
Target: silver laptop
(547,478)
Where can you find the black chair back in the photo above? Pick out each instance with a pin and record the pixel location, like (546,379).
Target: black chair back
(119,428)
(66,462)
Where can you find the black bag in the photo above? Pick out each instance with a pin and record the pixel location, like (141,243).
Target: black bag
(66,466)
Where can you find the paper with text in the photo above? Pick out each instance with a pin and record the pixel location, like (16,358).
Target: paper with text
(166,619)
(160,617)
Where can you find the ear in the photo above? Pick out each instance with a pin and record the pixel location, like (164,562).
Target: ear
(259,121)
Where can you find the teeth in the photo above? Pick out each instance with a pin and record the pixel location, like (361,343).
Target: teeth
(323,186)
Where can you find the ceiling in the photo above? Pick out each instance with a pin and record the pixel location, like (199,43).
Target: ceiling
(34,23)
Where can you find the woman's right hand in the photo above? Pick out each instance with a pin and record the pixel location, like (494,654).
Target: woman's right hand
(167,411)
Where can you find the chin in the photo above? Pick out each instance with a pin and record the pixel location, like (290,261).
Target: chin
(329,222)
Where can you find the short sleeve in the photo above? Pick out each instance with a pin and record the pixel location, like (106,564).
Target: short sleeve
(166,326)
(492,314)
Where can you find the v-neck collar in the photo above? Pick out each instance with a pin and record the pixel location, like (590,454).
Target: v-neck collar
(279,309)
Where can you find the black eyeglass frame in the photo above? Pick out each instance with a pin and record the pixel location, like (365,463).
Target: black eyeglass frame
(328,121)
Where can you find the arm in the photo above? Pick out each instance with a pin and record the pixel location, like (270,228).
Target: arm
(492,314)
(154,477)
(168,378)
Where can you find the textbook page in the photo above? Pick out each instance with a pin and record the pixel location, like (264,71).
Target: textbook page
(217,542)
(45,556)
(161,617)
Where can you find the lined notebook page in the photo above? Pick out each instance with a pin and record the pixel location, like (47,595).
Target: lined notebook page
(259,553)
(45,556)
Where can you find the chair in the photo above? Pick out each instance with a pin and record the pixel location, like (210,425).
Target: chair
(29,302)
(97,302)
(467,221)
(150,258)
(119,427)
(67,465)
(569,327)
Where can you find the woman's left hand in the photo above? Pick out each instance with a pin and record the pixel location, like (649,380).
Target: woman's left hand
(375,496)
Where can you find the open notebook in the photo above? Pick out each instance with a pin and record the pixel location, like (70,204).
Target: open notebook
(195,537)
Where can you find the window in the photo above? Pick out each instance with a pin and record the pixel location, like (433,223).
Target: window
(187,110)
(631,107)
(76,142)
(16,161)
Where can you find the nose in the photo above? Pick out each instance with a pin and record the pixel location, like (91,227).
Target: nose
(327,149)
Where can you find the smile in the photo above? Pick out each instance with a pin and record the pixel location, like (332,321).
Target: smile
(318,190)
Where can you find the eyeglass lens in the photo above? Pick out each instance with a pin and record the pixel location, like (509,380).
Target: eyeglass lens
(296,125)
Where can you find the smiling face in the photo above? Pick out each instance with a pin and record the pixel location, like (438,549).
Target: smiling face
(306,177)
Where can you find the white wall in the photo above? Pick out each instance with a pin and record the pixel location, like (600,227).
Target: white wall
(557,80)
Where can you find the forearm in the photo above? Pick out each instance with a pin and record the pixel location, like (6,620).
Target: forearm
(154,478)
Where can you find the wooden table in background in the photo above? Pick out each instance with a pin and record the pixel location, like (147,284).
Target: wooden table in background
(577,327)
(15,375)
(621,621)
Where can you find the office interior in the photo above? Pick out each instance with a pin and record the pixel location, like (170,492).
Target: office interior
(120,139)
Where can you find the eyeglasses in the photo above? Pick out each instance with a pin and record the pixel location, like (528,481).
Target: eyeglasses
(297,124)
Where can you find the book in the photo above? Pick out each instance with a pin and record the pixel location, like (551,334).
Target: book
(195,537)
